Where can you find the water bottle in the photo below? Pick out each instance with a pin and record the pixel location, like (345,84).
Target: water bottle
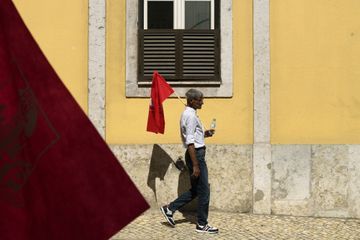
(213,124)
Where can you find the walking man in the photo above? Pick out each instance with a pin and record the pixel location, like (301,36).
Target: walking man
(192,136)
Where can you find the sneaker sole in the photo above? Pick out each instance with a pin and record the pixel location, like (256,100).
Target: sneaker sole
(201,231)
(166,218)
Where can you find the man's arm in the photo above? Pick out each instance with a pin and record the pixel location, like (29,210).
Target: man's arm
(195,163)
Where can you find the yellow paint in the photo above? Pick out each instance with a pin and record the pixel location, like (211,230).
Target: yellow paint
(315,71)
(126,117)
(61,30)
(315,56)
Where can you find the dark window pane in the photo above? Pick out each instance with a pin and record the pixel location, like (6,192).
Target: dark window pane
(197,15)
(160,15)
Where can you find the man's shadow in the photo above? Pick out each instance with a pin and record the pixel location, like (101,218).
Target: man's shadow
(159,164)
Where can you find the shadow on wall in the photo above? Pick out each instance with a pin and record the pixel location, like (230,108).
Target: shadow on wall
(159,164)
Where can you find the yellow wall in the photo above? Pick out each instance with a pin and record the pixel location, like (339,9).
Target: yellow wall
(315,71)
(126,117)
(315,56)
(60,28)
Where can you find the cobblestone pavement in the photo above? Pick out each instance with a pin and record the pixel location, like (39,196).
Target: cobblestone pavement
(152,225)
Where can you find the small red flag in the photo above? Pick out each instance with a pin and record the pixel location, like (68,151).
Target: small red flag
(160,90)
(58,178)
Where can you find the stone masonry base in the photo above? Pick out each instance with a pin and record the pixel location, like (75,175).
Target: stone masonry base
(305,180)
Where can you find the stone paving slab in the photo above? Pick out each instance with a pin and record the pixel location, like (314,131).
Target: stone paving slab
(152,226)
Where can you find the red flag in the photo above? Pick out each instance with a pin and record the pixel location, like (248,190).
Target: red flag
(58,178)
(160,90)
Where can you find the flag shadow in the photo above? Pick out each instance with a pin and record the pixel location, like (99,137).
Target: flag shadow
(159,164)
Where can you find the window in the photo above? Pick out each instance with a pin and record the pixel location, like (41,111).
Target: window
(199,15)
(181,40)
(179,14)
(158,14)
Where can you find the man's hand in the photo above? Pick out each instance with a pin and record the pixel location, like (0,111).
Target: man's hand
(196,171)
(209,133)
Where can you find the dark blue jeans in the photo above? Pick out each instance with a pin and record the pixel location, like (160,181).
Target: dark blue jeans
(199,188)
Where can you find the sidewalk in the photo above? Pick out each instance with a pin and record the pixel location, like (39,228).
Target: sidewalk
(152,225)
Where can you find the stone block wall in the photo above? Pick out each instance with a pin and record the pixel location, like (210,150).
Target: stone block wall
(153,170)
(316,180)
(306,180)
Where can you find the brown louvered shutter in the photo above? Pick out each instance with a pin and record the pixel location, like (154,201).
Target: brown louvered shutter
(200,55)
(159,53)
(183,57)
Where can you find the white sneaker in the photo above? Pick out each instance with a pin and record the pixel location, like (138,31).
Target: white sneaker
(206,229)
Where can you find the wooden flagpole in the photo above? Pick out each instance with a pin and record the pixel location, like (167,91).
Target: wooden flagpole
(177,95)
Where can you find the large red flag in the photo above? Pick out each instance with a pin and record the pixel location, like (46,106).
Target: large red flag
(58,178)
(160,90)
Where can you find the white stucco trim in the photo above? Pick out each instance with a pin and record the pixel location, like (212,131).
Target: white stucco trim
(96,64)
(262,163)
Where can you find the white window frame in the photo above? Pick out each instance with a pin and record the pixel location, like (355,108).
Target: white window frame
(131,74)
(179,12)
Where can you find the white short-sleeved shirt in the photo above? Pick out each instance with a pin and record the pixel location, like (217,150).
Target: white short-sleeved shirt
(191,129)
